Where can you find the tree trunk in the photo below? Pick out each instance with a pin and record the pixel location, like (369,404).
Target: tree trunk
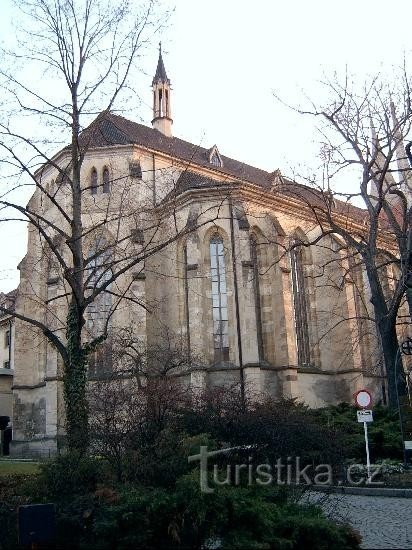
(393,363)
(75,378)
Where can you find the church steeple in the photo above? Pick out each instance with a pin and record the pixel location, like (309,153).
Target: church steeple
(162,114)
(404,168)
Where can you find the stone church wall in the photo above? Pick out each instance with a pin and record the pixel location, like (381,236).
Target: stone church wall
(176,285)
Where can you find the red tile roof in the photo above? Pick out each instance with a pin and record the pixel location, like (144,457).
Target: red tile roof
(110,129)
(113,129)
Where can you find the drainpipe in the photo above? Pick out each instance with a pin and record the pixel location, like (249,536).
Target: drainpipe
(189,353)
(154,179)
(10,341)
(236,293)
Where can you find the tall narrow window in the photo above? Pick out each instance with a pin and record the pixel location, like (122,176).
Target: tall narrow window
(256,288)
(300,305)
(93,182)
(106,181)
(98,312)
(167,103)
(219,300)
(98,273)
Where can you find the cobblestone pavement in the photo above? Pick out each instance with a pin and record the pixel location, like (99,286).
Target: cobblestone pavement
(384,522)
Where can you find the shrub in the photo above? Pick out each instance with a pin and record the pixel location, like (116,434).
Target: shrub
(67,475)
(8,532)
(184,517)
(11,496)
(384,433)
(266,430)
(303,528)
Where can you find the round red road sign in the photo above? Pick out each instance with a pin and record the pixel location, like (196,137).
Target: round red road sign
(363,399)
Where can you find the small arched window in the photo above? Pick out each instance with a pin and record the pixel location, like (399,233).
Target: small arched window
(93,182)
(135,170)
(300,303)
(219,300)
(106,181)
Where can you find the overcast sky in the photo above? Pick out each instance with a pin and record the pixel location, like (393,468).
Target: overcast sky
(225,59)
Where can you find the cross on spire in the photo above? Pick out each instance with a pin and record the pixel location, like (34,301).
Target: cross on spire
(160,75)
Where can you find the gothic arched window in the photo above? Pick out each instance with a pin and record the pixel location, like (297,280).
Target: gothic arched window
(93,182)
(98,273)
(219,300)
(300,304)
(254,257)
(106,181)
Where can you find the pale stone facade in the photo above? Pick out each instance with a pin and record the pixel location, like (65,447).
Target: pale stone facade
(7,333)
(229,288)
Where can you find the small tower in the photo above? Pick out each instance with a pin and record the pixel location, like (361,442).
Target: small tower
(162,114)
(404,169)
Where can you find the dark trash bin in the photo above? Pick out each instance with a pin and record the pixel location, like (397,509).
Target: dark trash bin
(37,524)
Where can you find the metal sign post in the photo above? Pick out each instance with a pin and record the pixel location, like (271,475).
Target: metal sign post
(365,417)
(368,460)
(363,399)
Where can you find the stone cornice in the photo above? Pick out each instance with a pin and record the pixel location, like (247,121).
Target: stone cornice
(295,207)
(265,198)
(28,386)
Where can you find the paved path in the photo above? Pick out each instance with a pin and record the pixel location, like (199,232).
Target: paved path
(384,522)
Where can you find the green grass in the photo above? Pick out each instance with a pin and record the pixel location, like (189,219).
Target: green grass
(9,467)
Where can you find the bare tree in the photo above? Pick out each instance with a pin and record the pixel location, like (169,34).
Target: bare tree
(138,396)
(363,132)
(86,52)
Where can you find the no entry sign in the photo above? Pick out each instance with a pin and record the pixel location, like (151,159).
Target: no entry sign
(363,399)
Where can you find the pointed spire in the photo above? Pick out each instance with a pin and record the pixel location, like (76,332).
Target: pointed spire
(374,137)
(404,169)
(379,187)
(401,158)
(162,117)
(160,70)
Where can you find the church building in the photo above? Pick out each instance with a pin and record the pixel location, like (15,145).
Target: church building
(250,305)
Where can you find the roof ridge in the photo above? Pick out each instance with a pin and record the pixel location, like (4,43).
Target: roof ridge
(146,136)
(199,147)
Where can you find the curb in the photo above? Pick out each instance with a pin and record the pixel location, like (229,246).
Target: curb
(365,491)
(18,460)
